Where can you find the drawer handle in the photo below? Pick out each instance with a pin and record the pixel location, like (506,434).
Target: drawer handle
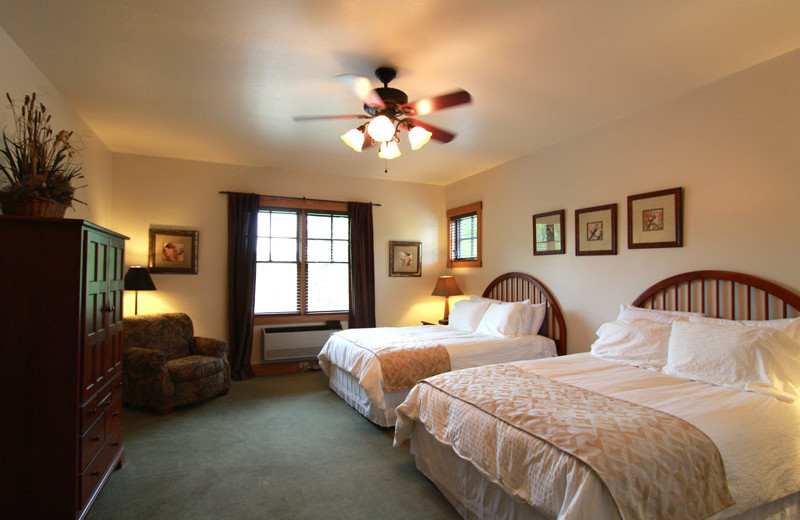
(115,444)
(107,404)
(107,308)
(95,439)
(115,414)
(95,473)
(93,411)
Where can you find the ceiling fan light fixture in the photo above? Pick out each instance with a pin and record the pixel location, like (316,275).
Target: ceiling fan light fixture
(381,128)
(418,137)
(389,150)
(354,139)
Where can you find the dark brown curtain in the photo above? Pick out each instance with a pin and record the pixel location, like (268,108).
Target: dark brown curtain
(242,236)
(362,266)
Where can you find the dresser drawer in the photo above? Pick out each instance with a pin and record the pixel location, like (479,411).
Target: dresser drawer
(99,467)
(94,408)
(113,415)
(91,442)
(116,385)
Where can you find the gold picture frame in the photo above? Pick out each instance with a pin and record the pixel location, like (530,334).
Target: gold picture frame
(405,259)
(173,251)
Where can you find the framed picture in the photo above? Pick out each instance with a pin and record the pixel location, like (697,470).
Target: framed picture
(404,258)
(548,233)
(173,251)
(655,219)
(596,230)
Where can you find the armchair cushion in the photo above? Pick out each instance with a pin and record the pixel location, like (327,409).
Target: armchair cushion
(190,368)
(165,365)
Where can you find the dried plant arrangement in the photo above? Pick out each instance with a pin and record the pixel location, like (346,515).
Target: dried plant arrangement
(38,163)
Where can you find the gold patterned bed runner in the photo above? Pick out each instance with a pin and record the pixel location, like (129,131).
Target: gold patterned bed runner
(654,464)
(403,366)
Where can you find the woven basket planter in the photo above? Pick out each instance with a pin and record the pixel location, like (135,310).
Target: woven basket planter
(30,207)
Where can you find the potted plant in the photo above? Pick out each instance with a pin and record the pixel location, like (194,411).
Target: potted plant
(39,165)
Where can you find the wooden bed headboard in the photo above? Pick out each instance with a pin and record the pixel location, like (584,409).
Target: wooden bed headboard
(517,287)
(722,294)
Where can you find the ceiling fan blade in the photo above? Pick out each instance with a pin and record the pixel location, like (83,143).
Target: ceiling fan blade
(362,88)
(438,134)
(319,118)
(432,104)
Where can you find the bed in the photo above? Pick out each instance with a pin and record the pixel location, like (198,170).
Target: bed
(721,449)
(373,369)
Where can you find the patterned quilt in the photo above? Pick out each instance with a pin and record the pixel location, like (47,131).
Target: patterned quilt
(654,464)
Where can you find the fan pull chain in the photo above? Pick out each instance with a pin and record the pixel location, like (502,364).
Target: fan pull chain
(386,166)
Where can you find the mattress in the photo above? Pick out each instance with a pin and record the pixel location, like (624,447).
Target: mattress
(758,437)
(358,378)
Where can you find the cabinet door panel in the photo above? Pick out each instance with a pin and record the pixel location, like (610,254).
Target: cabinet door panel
(96,360)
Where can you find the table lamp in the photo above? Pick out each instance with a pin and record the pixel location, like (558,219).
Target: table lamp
(138,279)
(446,286)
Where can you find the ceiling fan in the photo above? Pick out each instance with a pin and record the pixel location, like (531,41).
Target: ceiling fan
(389,112)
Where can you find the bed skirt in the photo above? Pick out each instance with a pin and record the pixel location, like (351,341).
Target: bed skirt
(347,387)
(475,497)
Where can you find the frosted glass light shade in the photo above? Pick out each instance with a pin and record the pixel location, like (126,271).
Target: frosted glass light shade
(381,129)
(389,150)
(418,137)
(354,139)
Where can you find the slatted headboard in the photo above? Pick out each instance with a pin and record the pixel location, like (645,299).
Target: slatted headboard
(517,287)
(722,294)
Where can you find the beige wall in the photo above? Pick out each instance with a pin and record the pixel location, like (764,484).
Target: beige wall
(21,77)
(166,193)
(735,148)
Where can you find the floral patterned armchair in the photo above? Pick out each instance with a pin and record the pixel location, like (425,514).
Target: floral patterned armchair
(165,365)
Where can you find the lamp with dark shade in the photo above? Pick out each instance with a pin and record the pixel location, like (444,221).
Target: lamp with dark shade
(138,279)
(446,286)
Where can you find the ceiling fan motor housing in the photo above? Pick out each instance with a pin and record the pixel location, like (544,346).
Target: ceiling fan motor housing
(391,97)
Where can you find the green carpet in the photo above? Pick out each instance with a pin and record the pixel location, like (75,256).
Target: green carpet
(276,447)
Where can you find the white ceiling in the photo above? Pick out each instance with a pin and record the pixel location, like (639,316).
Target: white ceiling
(219,80)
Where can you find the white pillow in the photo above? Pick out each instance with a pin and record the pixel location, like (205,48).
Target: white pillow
(755,359)
(629,312)
(535,317)
(502,319)
(466,314)
(791,326)
(642,343)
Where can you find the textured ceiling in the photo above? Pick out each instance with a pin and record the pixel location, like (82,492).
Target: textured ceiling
(219,80)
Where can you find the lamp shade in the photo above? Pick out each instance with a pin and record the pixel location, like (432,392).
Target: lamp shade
(389,150)
(381,128)
(138,279)
(446,286)
(354,139)
(418,137)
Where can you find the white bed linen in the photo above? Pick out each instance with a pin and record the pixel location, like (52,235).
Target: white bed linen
(758,436)
(466,350)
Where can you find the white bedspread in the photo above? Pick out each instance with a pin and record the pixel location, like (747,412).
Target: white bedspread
(758,436)
(466,349)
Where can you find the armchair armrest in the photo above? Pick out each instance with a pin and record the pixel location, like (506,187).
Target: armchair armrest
(211,347)
(144,359)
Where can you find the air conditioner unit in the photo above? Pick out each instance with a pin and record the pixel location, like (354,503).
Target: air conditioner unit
(296,342)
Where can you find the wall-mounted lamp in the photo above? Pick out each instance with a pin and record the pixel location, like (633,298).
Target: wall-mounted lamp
(138,279)
(446,286)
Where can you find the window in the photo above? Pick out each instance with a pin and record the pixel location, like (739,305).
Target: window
(464,236)
(302,265)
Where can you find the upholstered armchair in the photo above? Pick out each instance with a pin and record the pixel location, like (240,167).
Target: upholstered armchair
(165,365)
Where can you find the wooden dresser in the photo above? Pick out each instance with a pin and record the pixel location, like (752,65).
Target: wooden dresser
(61,289)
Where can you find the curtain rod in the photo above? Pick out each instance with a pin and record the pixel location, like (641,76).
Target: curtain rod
(297,198)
